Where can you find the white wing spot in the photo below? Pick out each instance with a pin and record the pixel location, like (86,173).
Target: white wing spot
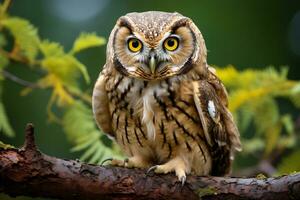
(131,69)
(211,109)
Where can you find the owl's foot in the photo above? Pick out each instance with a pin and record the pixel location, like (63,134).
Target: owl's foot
(176,165)
(114,162)
(136,162)
(132,162)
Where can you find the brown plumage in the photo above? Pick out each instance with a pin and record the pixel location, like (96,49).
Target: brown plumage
(161,102)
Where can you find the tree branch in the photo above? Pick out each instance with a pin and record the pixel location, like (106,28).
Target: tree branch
(27,171)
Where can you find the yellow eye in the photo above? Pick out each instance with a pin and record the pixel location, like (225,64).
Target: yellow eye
(171,43)
(134,45)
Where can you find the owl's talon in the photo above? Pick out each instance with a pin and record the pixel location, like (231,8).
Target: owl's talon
(104,161)
(182,179)
(114,162)
(153,168)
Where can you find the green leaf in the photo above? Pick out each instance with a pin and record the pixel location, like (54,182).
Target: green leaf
(25,35)
(252,98)
(84,145)
(82,69)
(63,67)
(5,126)
(296,89)
(288,124)
(66,67)
(51,49)
(91,150)
(290,163)
(98,155)
(87,40)
(81,130)
(295,95)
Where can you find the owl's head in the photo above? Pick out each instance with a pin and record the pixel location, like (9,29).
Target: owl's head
(155,45)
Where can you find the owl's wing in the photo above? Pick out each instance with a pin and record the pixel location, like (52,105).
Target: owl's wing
(211,101)
(101,106)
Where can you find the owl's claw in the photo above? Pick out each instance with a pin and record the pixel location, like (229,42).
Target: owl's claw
(182,179)
(153,168)
(115,162)
(157,169)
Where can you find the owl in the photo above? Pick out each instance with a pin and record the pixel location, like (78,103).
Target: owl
(157,97)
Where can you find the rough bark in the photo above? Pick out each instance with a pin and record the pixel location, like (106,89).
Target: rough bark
(27,171)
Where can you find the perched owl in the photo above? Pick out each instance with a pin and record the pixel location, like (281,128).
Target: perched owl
(161,101)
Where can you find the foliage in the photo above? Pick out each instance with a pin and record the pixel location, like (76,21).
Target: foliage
(87,40)
(61,74)
(253,99)
(253,95)
(79,125)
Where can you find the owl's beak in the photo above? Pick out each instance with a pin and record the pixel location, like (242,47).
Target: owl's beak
(152,62)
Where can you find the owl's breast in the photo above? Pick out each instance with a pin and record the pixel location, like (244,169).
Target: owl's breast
(137,100)
(154,119)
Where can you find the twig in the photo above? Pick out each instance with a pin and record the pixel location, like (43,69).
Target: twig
(18,80)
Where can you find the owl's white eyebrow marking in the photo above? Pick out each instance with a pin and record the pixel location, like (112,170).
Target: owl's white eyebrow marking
(211,109)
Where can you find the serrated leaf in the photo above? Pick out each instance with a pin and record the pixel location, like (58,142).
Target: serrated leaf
(65,67)
(87,40)
(53,49)
(97,155)
(80,127)
(84,145)
(90,151)
(5,126)
(252,98)
(25,35)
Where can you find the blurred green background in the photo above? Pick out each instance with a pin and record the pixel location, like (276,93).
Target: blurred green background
(242,33)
